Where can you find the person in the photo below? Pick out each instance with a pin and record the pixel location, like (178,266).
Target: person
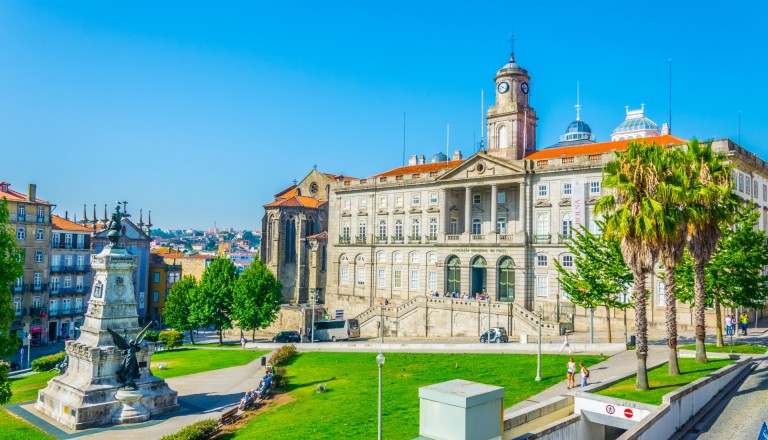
(242,342)
(571,373)
(744,323)
(584,374)
(566,344)
(728,324)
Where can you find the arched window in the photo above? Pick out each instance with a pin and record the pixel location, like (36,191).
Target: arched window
(478,273)
(453,275)
(503,137)
(506,287)
(323,257)
(290,240)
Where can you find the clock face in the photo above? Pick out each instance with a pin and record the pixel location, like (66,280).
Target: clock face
(503,87)
(524,87)
(313,188)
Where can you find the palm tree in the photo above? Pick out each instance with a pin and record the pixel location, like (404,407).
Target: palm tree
(712,202)
(632,216)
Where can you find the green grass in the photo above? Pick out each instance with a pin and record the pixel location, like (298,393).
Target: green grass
(13,428)
(737,348)
(349,409)
(215,345)
(25,389)
(661,383)
(184,361)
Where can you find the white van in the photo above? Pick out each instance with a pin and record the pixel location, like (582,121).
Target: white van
(334,330)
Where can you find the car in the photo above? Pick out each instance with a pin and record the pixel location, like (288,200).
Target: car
(288,336)
(15,366)
(498,335)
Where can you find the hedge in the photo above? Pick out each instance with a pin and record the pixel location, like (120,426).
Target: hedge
(171,338)
(48,363)
(202,430)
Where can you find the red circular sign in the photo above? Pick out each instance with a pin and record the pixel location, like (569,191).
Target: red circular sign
(628,413)
(610,409)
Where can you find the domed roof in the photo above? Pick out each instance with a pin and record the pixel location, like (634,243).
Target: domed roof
(635,125)
(512,65)
(439,157)
(577,133)
(578,126)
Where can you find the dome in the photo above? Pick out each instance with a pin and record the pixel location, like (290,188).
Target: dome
(636,125)
(578,126)
(512,65)
(577,133)
(439,157)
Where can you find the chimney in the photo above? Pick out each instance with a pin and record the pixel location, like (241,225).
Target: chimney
(32,193)
(413,160)
(664,129)
(457,155)
(66,215)
(421,160)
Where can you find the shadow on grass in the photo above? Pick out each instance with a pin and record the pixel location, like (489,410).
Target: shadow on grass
(293,386)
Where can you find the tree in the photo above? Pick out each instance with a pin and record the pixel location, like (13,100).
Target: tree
(212,300)
(600,274)
(712,202)
(631,217)
(177,311)
(257,296)
(11,268)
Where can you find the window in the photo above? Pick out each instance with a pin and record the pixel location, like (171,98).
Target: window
(477,226)
(323,258)
(21,212)
(415,227)
(156,296)
(416,200)
(567,261)
(80,283)
(382,202)
(361,228)
(40,214)
(476,199)
(541,286)
(567,223)
(501,197)
(765,193)
(414,279)
(542,224)
(78,305)
(543,190)
(594,187)
(39,235)
(541,260)
(55,261)
(567,189)
(433,198)
(453,275)
(381,257)
(345,204)
(741,183)
(68,260)
(344,275)
(54,305)
(360,276)
(81,262)
(747,185)
(399,228)
(363,203)
(80,241)
(501,225)
(55,240)
(592,226)
(433,227)
(454,226)
(345,230)
(141,300)
(67,282)
(397,257)
(17,306)
(21,233)
(54,284)
(381,280)
(65,303)
(506,287)
(755,190)
(397,278)
(38,256)
(383,229)
(68,241)
(432,258)
(432,280)
(415,258)
(398,201)
(662,294)
(157,277)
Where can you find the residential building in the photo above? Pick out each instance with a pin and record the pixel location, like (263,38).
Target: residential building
(162,277)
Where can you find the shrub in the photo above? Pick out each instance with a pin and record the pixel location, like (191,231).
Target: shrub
(171,338)
(283,355)
(151,335)
(280,378)
(202,430)
(320,388)
(48,363)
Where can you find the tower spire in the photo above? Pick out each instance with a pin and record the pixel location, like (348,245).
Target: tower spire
(149,221)
(140,224)
(85,215)
(105,219)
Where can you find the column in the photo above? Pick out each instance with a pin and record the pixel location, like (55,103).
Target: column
(494,206)
(445,216)
(521,209)
(467,210)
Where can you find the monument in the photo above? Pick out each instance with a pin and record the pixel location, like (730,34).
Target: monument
(107,380)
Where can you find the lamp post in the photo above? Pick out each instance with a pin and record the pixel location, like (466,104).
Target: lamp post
(489,314)
(29,349)
(380,363)
(592,325)
(538,361)
(313,297)
(381,324)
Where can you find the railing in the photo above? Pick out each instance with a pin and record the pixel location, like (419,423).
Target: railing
(15,217)
(17,313)
(414,239)
(37,287)
(343,239)
(430,238)
(477,237)
(562,238)
(452,237)
(71,268)
(34,312)
(21,217)
(360,239)
(505,237)
(18,288)
(542,238)
(53,313)
(69,290)
(397,239)
(380,240)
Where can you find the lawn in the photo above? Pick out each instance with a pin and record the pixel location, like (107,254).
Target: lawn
(661,383)
(184,361)
(25,389)
(349,409)
(737,348)
(13,428)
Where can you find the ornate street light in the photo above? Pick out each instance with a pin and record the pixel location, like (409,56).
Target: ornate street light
(538,361)
(380,363)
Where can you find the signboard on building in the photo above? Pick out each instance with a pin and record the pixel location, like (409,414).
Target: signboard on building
(339,314)
(578,205)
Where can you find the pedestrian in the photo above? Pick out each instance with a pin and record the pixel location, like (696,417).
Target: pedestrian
(584,374)
(566,344)
(242,342)
(728,324)
(744,323)
(571,373)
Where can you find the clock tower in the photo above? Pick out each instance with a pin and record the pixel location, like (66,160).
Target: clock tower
(512,122)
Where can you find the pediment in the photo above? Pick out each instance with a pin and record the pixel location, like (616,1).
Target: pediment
(346,214)
(433,209)
(542,203)
(481,165)
(415,210)
(476,208)
(362,213)
(565,202)
(592,200)
(502,208)
(382,212)
(454,208)
(398,211)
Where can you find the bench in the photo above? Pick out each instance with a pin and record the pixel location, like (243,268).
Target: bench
(229,416)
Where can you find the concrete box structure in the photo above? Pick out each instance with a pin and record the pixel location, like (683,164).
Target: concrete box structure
(460,409)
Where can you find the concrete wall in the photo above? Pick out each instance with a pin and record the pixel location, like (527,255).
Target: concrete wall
(537,417)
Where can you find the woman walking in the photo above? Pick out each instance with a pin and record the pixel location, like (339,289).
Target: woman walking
(571,373)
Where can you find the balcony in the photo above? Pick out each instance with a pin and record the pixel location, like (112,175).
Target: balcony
(344,239)
(16,217)
(564,238)
(380,240)
(453,237)
(71,268)
(397,239)
(37,287)
(414,239)
(360,239)
(33,312)
(477,237)
(69,290)
(542,238)
(430,238)
(21,217)
(18,288)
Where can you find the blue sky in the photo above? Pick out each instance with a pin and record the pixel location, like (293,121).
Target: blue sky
(201,111)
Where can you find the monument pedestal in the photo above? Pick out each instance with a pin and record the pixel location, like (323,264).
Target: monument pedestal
(131,409)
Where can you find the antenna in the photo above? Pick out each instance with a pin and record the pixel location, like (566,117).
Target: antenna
(512,44)
(578,103)
(403,138)
(482,121)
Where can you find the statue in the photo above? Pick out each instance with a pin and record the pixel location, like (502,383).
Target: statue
(115,227)
(129,368)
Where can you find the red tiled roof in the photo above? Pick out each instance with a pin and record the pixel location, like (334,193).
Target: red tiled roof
(284,193)
(296,201)
(321,236)
(601,147)
(62,224)
(338,177)
(17,196)
(423,168)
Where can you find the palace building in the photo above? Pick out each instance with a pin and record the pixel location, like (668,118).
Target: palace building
(493,223)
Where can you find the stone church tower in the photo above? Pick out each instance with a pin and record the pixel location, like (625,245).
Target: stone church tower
(512,121)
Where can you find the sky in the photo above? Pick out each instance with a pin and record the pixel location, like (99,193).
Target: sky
(202,111)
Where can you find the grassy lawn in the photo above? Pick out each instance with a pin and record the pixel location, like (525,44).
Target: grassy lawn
(661,383)
(349,409)
(737,348)
(25,389)
(186,361)
(13,428)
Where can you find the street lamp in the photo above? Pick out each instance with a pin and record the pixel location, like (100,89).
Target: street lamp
(313,297)
(489,314)
(538,361)
(380,363)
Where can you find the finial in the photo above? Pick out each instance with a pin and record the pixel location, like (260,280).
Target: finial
(85,215)
(105,219)
(294,182)
(314,167)
(511,48)
(140,224)
(578,104)
(149,220)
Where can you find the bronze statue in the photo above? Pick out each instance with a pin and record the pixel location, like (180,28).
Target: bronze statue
(115,227)
(129,368)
